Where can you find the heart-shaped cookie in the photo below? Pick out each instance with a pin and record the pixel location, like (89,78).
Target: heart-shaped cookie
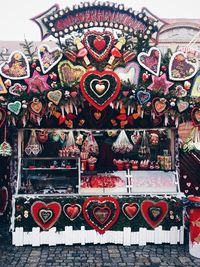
(143,97)
(181,68)
(55,96)
(69,73)
(130,210)
(101,212)
(17,89)
(182,105)
(100,88)
(72,211)
(3,89)
(16,68)
(45,215)
(180,91)
(48,57)
(151,60)
(195,115)
(3,199)
(160,105)
(15,107)
(98,44)
(129,74)
(154,212)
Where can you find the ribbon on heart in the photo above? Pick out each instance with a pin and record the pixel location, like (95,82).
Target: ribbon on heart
(45,215)
(15,107)
(101,213)
(98,44)
(16,68)
(143,97)
(195,115)
(2,117)
(160,106)
(151,60)
(3,199)
(69,73)
(100,88)
(48,57)
(72,211)
(130,210)
(181,68)
(154,212)
(129,74)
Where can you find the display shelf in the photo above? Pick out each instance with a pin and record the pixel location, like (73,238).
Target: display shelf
(48,169)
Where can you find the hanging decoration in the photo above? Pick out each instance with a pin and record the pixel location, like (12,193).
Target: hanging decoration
(122,144)
(48,57)
(154,212)
(151,60)
(129,74)
(55,96)
(37,83)
(16,68)
(160,105)
(130,210)
(195,115)
(5,148)
(160,84)
(72,210)
(181,67)
(43,136)
(15,107)
(100,88)
(33,148)
(17,89)
(101,213)
(45,215)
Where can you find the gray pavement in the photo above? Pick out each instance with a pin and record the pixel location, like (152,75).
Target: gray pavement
(94,255)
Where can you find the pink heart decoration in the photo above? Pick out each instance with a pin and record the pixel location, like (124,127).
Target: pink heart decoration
(151,60)
(129,74)
(182,105)
(16,68)
(181,68)
(48,57)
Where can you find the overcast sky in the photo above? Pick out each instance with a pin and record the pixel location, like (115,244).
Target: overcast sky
(15,15)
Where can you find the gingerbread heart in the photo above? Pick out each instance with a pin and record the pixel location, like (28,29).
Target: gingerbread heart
(101,212)
(151,60)
(98,44)
(55,96)
(2,117)
(130,210)
(143,97)
(15,107)
(72,211)
(129,74)
(16,68)
(45,215)
(36,107)
(3,89)
(17,89)
(181,68)
(154,212)
(195,115)
(160,105)
(100,88)
(48,57)
(180,91)
(3,199)
(182,105)
(69,73)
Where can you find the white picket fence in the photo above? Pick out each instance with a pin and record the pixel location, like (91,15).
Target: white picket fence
(71,237)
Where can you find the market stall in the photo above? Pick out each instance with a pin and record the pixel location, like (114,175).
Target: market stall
(97,118)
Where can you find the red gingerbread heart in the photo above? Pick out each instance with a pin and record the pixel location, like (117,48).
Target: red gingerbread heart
(130,210)
(154,212)
(45,215)
(3,199)
(101,212)
(98,44)
(100,88)
(72,211)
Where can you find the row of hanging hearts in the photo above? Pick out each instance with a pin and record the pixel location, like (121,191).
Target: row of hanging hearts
(99,213)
